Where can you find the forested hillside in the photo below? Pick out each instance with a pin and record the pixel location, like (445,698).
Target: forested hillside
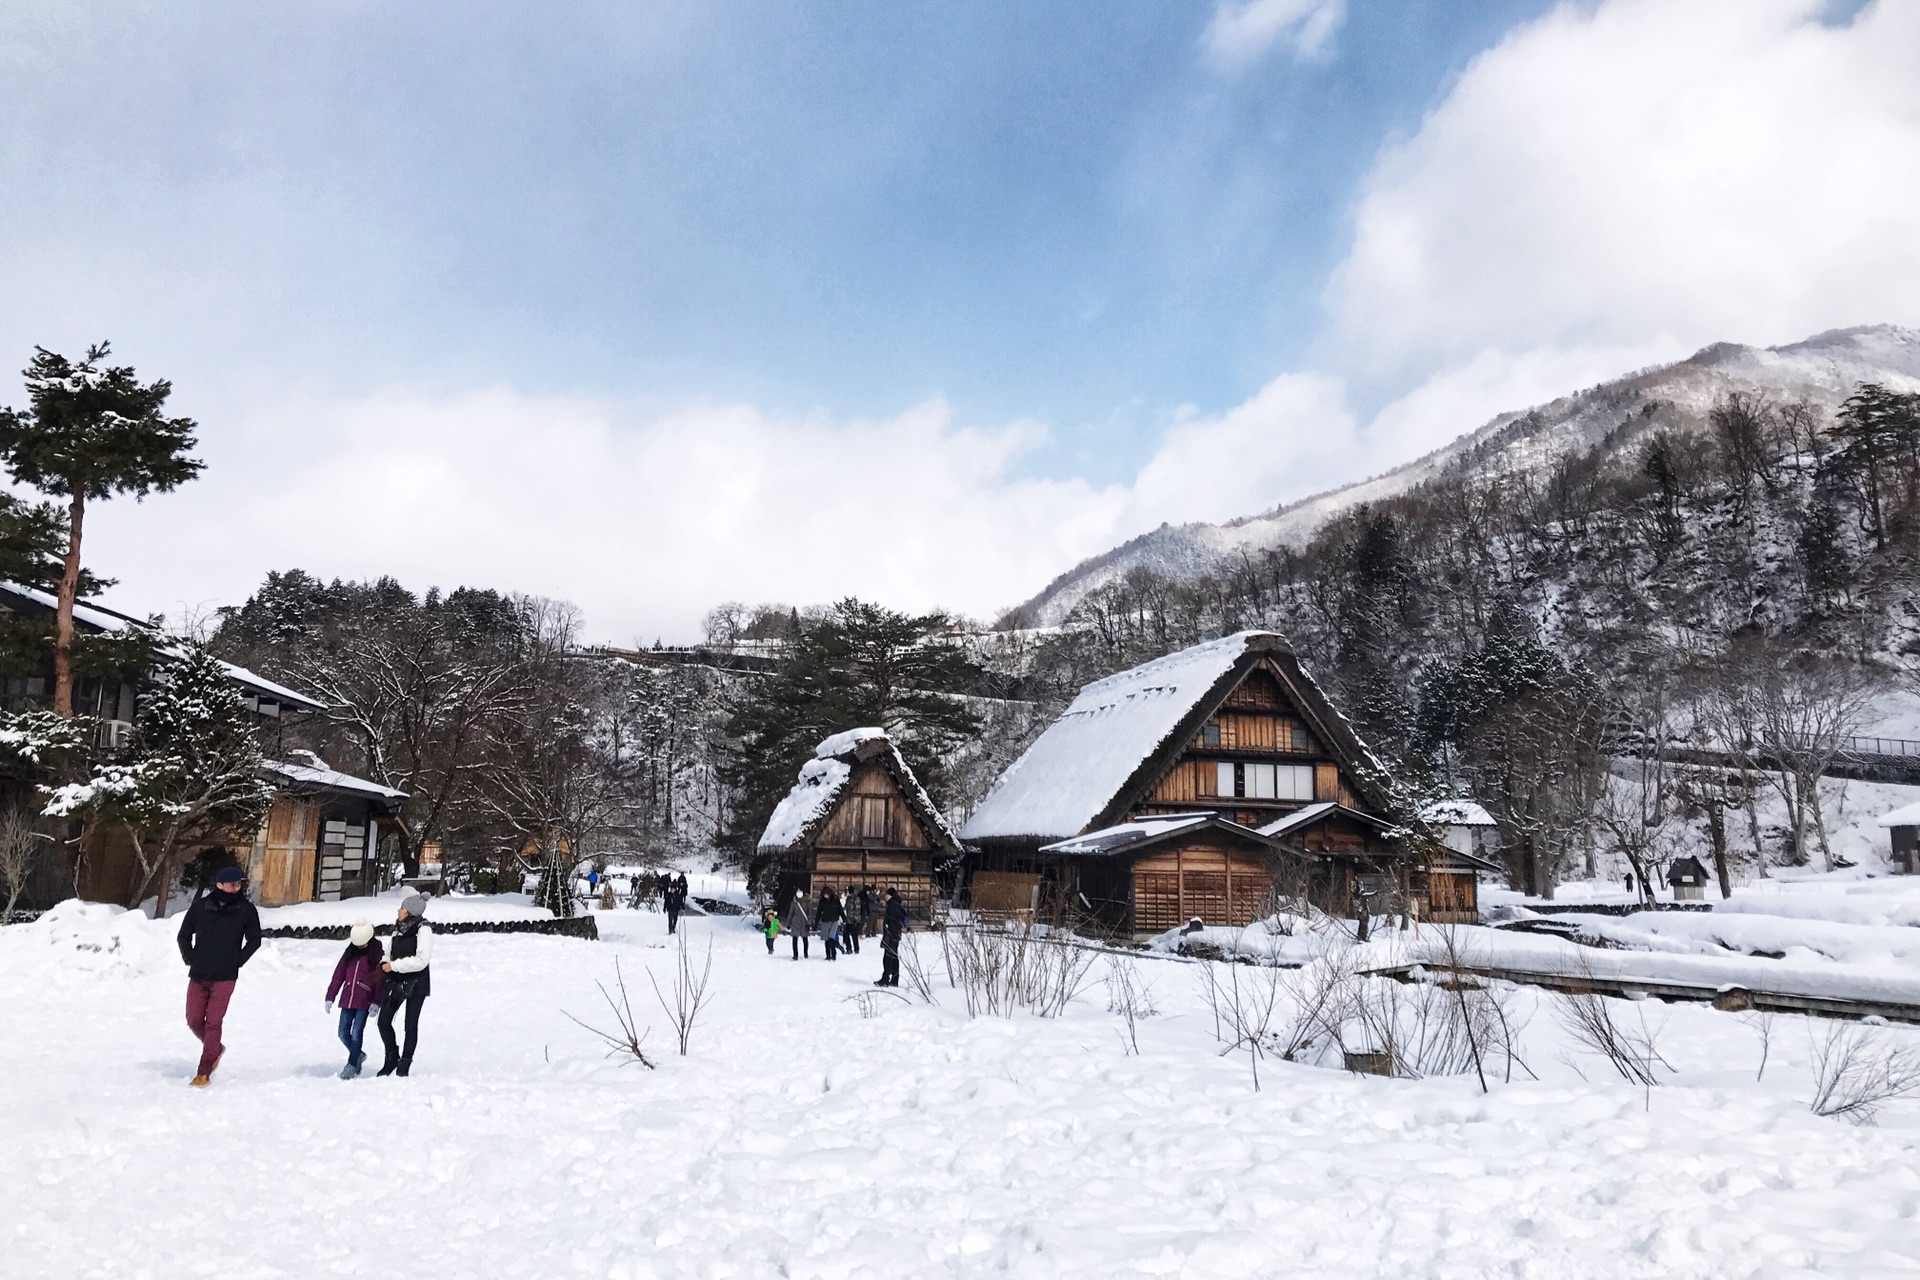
(1686,576)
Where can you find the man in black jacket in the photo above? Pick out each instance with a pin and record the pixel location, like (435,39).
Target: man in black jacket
(220,932)
(892,925)
(674,898)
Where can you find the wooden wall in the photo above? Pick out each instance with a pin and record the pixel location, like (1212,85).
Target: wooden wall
(1257,720)
(873,813)
(1220,886)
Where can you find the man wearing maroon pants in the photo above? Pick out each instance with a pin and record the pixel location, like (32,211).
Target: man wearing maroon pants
(220,933)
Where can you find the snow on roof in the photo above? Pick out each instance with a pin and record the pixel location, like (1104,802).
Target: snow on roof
(1112,839)
(100,618)
(332,779)
(812,797)
(1905,816)
(1456,813)
(824,778)
(1298,818)
(1075,769)
(841,743)
(260,684)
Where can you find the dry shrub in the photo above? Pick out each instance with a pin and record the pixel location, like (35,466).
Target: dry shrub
(1018,966)
(1856,1072)
(1130,996)
(690,994)
(1632,1049)
(624,1043)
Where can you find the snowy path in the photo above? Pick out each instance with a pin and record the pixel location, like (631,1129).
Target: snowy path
(802,1140)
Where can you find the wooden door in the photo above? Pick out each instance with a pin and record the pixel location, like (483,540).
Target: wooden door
(286,870)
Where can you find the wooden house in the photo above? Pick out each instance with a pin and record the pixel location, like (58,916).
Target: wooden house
(320,836)
(857,816)
(1466,833)
(1104,812)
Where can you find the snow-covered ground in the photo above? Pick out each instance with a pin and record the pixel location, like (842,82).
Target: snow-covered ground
(800,1138)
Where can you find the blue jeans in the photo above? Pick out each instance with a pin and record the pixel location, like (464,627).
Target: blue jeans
(353,1031)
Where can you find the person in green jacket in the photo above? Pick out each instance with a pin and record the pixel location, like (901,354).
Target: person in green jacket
(769,925)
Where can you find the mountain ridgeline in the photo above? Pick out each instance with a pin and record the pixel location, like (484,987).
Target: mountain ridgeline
(1638,554)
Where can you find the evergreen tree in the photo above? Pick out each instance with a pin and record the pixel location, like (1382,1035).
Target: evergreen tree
(91,432)
(859,665)
(192,772)
(1878,433)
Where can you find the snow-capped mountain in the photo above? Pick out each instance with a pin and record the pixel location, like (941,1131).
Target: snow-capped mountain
(1823,369)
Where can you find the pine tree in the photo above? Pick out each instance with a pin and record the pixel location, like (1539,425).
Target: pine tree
(92,432)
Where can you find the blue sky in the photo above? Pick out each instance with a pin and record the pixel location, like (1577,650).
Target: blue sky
(1056,238)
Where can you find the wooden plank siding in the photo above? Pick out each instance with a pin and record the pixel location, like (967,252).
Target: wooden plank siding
(283,857)
(1220,886)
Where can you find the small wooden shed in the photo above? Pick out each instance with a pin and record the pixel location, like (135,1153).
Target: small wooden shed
(1688,879)
(1903,826)
(857,817)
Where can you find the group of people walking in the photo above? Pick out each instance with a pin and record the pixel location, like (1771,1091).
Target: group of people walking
(221,932)
(839,921)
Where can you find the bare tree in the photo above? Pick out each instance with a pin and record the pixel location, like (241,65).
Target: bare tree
(624,1043)
(18,843)
(690,994)
(1809,707)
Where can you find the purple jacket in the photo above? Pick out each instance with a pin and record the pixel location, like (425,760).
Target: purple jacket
(357,979)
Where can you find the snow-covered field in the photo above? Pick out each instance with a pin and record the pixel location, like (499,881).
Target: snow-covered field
(801,1139)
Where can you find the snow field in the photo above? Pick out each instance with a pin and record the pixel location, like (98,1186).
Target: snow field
(800,1139)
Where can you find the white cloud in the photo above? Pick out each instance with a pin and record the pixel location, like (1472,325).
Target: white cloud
(1295,436)
(1242,32)
(648,521)
(1645,172)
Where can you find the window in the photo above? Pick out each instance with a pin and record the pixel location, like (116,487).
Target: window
(1210,733)
(873,818)
(1264,781)
(1295,782)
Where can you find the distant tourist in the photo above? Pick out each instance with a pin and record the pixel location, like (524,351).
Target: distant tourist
(360,986)
(409,982)
(853,920)
(892,926)
(827,913)
(769,925)
(674,895)
(799,924)
(219,934)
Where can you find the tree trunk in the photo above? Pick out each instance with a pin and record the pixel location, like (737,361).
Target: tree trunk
(1796,820)
(63,610)
(1819,823)
(1753,824)
(1717,833)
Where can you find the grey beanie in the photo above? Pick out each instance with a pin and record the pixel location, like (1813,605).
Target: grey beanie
(415,904)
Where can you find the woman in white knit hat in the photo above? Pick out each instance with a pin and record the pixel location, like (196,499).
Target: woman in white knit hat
(360,986)
(409,982)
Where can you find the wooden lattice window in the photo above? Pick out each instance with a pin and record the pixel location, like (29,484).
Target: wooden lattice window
(873,818)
